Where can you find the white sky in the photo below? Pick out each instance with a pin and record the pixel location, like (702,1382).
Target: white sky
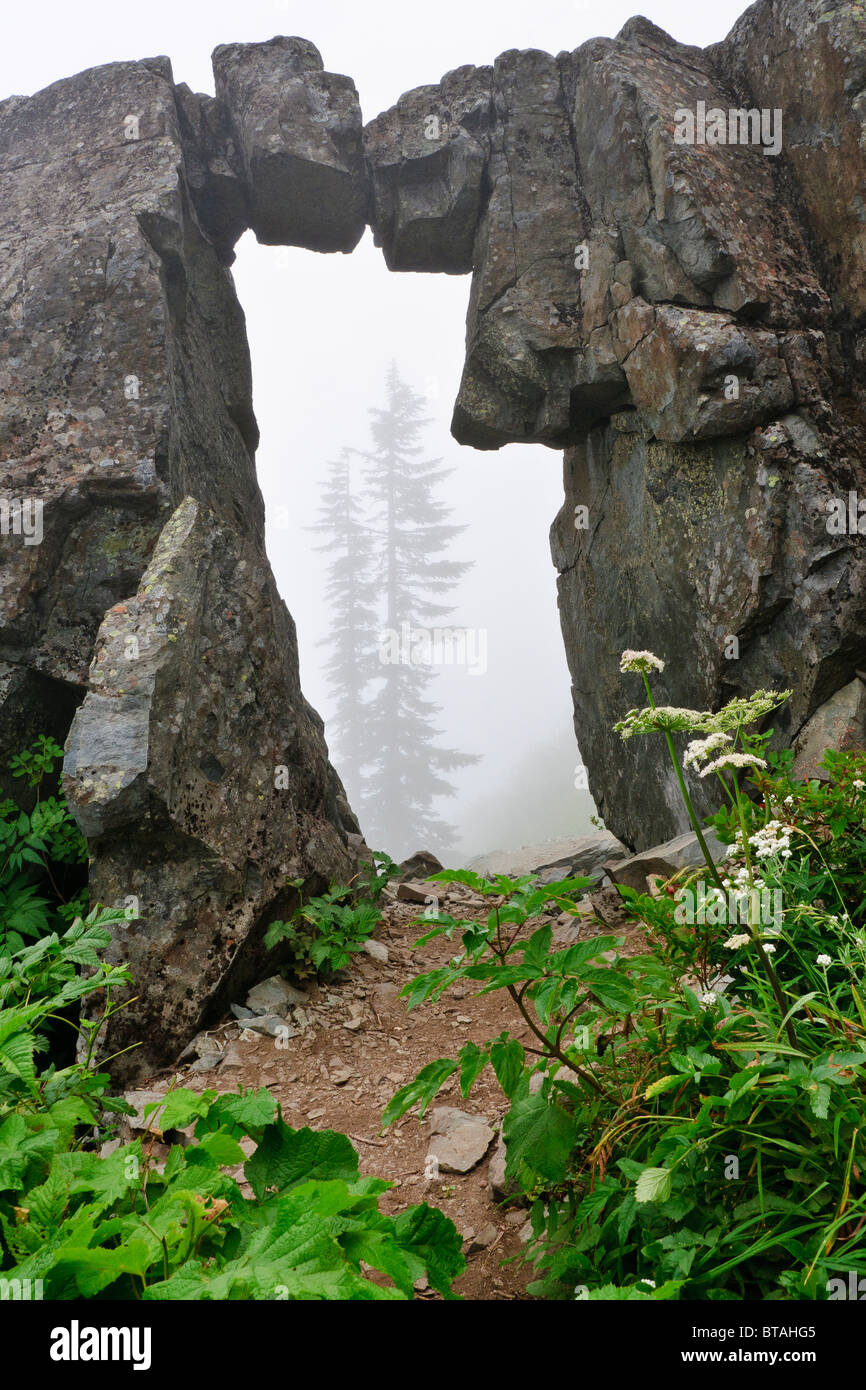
(323,328)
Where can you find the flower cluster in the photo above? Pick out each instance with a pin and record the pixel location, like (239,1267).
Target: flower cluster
(739,939)
(732,760)
(775,838)
(640,661)
(700,748)
(746,710)
(672,718)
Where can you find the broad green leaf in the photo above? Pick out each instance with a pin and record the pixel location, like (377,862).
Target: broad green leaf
(473,1060)
(653,1185)
(611,988)
(537,947)
(429,1235)
(426,1085)
(508,1059)
(286,1157)
(663,1083)
(540,1136)
(251,1111)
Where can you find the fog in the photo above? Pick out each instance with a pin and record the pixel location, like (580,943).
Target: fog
(322,331)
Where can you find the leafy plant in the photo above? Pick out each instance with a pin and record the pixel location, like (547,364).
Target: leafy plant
(688,1122)
(325,931)
(123,1224)
(376,874)
(40,854)
(79,1221)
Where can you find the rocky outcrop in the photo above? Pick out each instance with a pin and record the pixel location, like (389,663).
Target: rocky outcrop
(840,724)
(688,319)
(685,314)
(297,130)
(194,766)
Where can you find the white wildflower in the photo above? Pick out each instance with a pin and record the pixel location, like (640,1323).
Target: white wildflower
(700,748)
(640,661)
(769,948)
(709,997)
(731,760)
(773,839)
(824,960)
(673,718)
(858,784)
(734,943)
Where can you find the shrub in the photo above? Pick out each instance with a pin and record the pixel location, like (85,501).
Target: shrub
(698,1130)
(76,1222)
(325,931)
(41,854)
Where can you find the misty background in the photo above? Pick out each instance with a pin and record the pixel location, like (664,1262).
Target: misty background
(322,331)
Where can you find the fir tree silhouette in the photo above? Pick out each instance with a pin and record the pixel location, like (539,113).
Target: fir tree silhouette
(389,570)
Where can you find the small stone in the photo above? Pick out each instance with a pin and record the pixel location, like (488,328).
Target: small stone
(514,1218)
(202,1045)
(272,1025)
(240,1012)
(315,1114)
(384,998)
(422,862)
(141,1100)
(274,996)
(413,893)
(500,1188)
(458,1140)
(377,949)
(353,1025)
(209,1062)
(485,1237)
(463,1018)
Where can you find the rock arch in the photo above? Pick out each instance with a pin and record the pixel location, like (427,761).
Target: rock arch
(621,282)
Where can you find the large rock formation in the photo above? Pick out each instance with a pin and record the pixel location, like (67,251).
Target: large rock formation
(687,320)
(194,766)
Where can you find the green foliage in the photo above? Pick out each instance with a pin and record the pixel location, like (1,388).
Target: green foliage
(125,1225)
(35,848)
(696,1128)
(120,1224)
(325,931)
(376,875)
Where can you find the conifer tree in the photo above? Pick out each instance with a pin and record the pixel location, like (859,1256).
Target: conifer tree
(405,764)
(350,592)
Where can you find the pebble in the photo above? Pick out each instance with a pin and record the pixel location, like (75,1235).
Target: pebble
(377,949)
(272,1025)
(485,1237)
(458,1140)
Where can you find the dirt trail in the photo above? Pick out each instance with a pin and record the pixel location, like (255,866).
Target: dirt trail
(359,1046)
